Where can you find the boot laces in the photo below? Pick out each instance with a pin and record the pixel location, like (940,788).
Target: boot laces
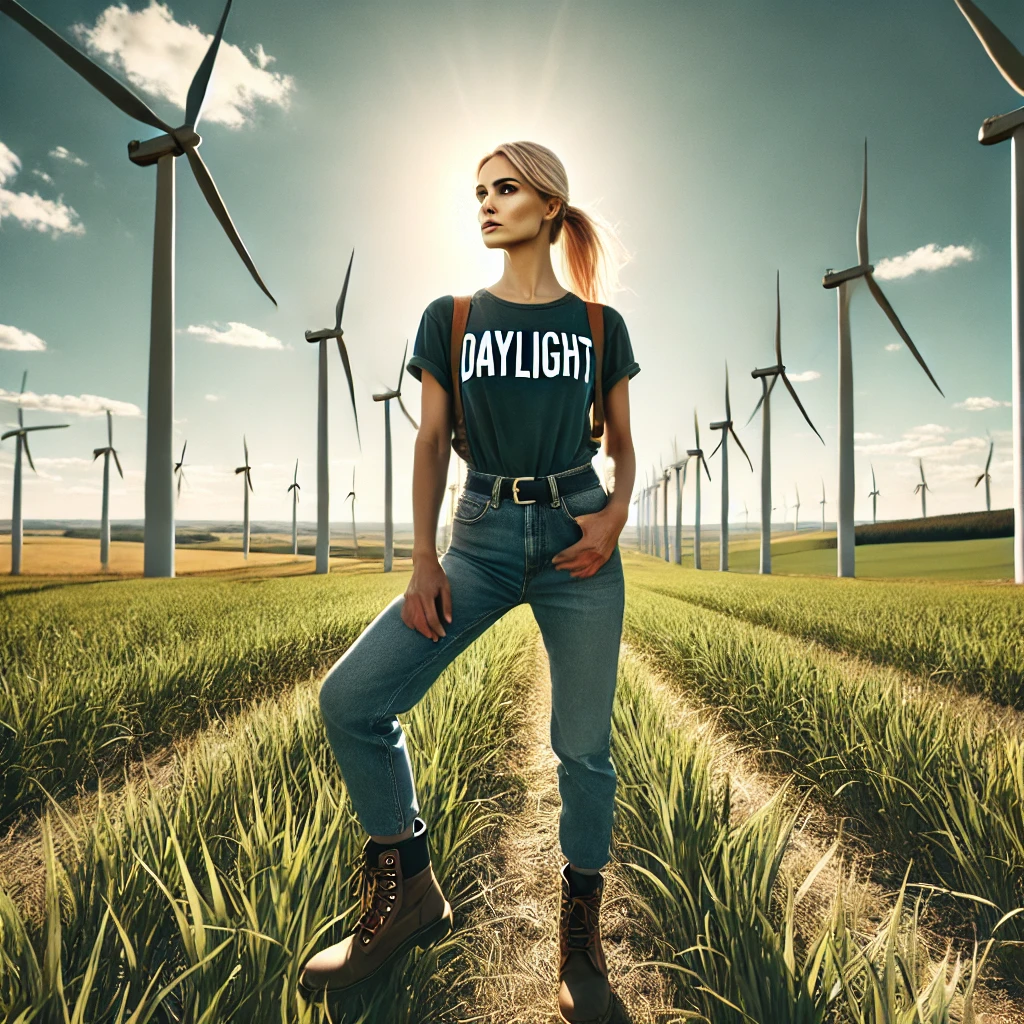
(583,914)
(376,899)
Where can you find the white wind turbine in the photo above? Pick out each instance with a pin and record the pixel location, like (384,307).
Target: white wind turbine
(179,468)
(20,435)
(677,465)
(844,281)
(697,452)
(985,476)
(352,494)
(775,372)
(1010,64)
(246,488)
(294,488)
(655,539)
(323,486)
(385,397)
(796,514)
(158,558)
(665,474)
(875,492)
(646,531)
(726,427)
(822,504)
(105,507)
(921,488)
(746,518)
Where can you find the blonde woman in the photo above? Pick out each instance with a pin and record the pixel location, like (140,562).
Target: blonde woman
(534,524)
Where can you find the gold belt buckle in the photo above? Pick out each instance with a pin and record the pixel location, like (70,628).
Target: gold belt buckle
(515,490)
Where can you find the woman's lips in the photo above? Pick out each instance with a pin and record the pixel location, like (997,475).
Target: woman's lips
(491,227)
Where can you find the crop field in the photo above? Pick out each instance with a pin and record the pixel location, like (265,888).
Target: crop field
(819,812)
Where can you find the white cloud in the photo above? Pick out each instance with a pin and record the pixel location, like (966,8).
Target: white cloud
(62,153)
(797,378)
(80,405)
(927,441)
(866,436)
(160,56)
(925,258)
(262,57)
(235,334)
(893,346)
(213,398)
(19,340)
(980,404)
(42,174)
(62,461)
(33,211)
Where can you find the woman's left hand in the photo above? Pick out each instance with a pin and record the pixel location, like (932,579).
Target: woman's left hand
(600,535)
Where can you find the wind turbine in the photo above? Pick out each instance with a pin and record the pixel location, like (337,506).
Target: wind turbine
(179,468)
(158,558)
(922,487)
(105,508)
(775,372)
(1010,64)
(636,501)
(677,464)
(726,427)
(796,514)
(875,492)
(655,538)
(385,397)
(294,488)
(246,488)
(822,504)
(20,435)
(746,518)
(985,476)
(323,485)
(352,494)
(645,494)
(665,474)
(785,510)
(699,453)
(844,281)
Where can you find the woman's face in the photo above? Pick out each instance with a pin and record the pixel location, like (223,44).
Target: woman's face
(512,204)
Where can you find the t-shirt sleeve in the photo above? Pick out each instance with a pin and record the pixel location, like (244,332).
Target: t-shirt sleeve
(431,350)
(618,351)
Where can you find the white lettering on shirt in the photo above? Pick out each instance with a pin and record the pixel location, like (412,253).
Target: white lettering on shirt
(520,372)
(536,352)
(575,354)
(466,369)
(551,357)
(484,356)
(503,347)
(588,343)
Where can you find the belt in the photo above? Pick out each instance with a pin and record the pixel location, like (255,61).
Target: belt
(526,490)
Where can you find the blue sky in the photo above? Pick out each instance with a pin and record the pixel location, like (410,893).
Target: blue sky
(723,140)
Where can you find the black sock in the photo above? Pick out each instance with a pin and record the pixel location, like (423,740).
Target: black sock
(413,852)
(581,885)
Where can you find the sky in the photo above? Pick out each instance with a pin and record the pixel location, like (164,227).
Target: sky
(723,141)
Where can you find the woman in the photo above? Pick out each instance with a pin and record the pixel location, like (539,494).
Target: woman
(535,525)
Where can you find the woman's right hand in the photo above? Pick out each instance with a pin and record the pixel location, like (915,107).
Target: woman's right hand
(427,597)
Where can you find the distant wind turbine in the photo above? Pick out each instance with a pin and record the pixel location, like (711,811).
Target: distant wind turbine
(665,474)
(1010,64)
(158,558)
(746,517)
(726,427)
(875,492)
(246,488)
(352,494)
(796,514)
(20,435)
(822,504)
(179,468)
(844,281)
(294,488)
(105,507)
(988,479)
(385,397)
(636,501)
(697,452)
(323,483)
(677,465)
(655,537)
(921,488)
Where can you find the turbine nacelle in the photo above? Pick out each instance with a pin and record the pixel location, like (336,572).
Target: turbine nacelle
(767,371)
(176,143)
(384,395)
(719,424)
(833,279)
(324,335)
(1001,127)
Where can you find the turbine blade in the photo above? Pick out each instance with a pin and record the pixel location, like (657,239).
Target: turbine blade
(401,368)
(742,449)
(717,446)
(1004,54)
(110,430)
(209,189)
(891,314)
(183,450)
(118,462)
(96,453)
(343,351)
(728,410)
(201,79)
(764,391)
(799,405)
(245,447)
(118,94)
(862,217)
(49,426)
(28,454)
(988,461)
(706,470)
(340,308)
(401,405)
(181,476)
(980,478)
(778,322)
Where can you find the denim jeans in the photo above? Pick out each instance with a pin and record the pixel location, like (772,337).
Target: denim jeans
(499,557)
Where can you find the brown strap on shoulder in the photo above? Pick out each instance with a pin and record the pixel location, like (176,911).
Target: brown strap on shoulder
(595,314)
(460,317)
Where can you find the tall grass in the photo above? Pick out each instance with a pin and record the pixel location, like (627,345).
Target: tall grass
(968,635)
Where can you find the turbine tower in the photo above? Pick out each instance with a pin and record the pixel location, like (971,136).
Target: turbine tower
(726,427)
(246,488)
(677,465)
(796,514)
(179,469)
(645,495)
(105,508)
(822,504)
(294,488)
(385,397)
(746,518)
(922,487)
(323,483)
(665,474)
(352,494)
(985,476)
(636,501)
(20,435)
(656,540)
(158,558)
(698,452)
(844,281)
(875,492)
(1010,64)
(775,372)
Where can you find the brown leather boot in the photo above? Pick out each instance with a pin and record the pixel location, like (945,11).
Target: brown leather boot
(584,995)
(396,913)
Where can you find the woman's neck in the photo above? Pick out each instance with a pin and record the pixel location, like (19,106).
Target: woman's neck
(528,275)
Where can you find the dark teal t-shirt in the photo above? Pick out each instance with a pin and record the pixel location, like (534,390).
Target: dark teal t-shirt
(527,378)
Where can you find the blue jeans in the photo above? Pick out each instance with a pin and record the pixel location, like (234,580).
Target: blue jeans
(499,557)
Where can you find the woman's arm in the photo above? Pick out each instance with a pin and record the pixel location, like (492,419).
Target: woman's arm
(428,595)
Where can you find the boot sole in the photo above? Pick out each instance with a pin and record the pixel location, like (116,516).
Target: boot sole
(422,939)
(615,1014)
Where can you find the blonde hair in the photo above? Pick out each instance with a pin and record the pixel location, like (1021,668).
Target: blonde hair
(586,257)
